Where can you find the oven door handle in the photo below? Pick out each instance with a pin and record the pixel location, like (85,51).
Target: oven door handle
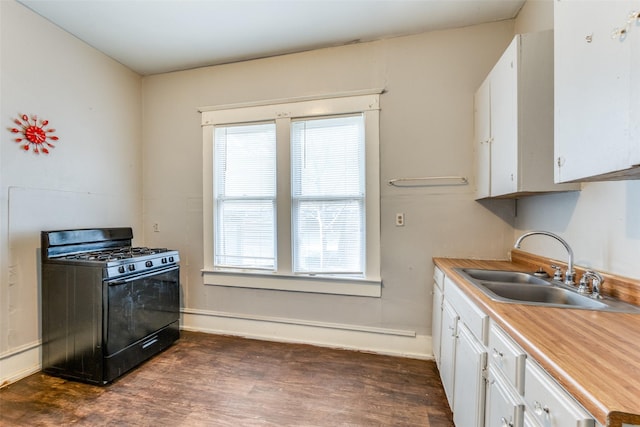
(122,281)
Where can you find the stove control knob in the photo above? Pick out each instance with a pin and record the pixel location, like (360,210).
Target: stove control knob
(148,264)
(164,260)
(132,267)
(170,259)
(121,269)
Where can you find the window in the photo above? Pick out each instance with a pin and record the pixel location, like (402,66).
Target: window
(291,195)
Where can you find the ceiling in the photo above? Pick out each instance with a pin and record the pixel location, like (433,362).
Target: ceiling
(157,36)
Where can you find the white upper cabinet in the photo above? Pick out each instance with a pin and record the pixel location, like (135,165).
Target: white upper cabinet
(597,93)
(482,140)
(513,115)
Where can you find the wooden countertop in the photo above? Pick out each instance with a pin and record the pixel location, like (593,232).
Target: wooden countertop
(594,355)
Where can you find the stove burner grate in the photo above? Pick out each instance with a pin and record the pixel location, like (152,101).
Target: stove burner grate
(116,254)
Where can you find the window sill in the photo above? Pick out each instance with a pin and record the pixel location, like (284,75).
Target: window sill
(280,282)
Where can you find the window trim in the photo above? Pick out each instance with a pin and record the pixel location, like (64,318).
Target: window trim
(366,102)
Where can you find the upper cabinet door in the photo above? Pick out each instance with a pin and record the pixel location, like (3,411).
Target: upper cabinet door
(597,90)
(482,139)
(504,122)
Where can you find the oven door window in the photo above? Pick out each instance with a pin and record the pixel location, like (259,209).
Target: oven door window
(139,306)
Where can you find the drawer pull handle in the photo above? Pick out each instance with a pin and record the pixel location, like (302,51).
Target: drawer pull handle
(497,354)
(540,409)
(505,423)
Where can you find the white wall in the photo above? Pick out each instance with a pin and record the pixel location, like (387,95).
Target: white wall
(601,223)
(91,178)
(426,130)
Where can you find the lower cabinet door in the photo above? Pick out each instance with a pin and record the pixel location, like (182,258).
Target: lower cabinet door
(469,385)
(448,349)
(436,324)
(504,409)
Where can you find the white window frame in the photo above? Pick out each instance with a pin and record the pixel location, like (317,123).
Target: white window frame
(282,112)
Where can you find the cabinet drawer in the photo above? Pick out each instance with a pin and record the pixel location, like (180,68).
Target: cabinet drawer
(476,320)
(507,356)
(438,277)
(504,407)
(549,404)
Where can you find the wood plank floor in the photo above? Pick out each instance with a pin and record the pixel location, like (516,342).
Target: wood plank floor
(213,380)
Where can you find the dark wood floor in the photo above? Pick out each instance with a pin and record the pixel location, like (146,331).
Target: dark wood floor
(212,380)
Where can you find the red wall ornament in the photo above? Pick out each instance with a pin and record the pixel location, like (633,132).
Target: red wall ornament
(33,134)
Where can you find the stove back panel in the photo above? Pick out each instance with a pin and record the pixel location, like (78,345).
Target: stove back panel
(65,242)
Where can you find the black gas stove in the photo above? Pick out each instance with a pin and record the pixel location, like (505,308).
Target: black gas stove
(106,305)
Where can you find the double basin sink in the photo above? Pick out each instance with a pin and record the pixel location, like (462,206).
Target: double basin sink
(525,288)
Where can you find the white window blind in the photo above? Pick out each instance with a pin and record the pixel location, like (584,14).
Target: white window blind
(328,195)
(245,196)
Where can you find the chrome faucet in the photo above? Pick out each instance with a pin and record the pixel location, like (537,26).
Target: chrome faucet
(570,273)
(596,282)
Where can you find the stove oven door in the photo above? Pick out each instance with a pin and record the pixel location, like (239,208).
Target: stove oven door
(141,318)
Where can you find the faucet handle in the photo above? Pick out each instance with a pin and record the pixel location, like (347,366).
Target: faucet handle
(557,275)
(596,282)
(583,288)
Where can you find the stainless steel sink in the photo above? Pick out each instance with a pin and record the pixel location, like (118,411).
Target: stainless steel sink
(525,288)
(504,276)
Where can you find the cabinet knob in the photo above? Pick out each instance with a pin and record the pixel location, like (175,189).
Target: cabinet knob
(505,423)
(497,354)
(540,409)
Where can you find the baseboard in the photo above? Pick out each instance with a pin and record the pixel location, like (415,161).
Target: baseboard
(20,363)
(353,337)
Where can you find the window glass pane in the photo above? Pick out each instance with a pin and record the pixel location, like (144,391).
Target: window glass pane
(328,156)
(327,169)
(245,234)
(245,193)
(245,160)
(329,237)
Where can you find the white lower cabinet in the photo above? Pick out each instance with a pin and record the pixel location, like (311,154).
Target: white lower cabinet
(448,349)
(489,380)
(436,319)
(469,384)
